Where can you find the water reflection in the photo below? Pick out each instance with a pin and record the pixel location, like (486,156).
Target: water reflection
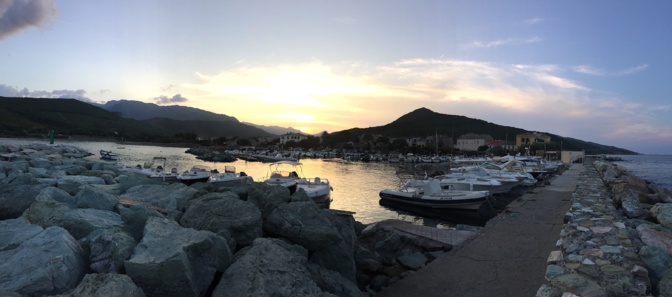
(356,184)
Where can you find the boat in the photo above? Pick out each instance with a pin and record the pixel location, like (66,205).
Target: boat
(197,173)
(108,155)
(433,196)
(154,170)
(290,174)
(230,178)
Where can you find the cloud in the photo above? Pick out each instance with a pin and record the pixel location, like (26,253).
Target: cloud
(499,42)
(166,100)
(19,15)
(10,91)
(533,21)
(586,69)
(632,70)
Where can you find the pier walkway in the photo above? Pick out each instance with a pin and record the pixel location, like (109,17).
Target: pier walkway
(508,258)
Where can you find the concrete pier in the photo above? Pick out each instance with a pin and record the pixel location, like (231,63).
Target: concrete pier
(509,258)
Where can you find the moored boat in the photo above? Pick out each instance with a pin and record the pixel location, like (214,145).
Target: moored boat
(290,174)
(433,196)
(197,173)
(230,177)
(108,155)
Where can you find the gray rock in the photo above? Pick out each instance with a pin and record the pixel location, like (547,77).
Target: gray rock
(172,198)
(50,262)
(46,213)
(57,195)
(38,172)
(413,261)
(72,183)
(631,206)
(303,223)
(175,261)
(15,199)
(94,197)
(578,285)
(15,231)
(267,198)
(43,163)
(108,249)
(268,269)
(663,213)
(657,261)
(665,285)
(340,256)
(69,169)
(333,282)
(655,238)
(106,285)
(135,217)
(225,215)
(82,221)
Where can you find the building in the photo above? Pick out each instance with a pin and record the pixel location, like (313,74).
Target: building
(471,141)
(527,139)
(507,145)
(296,137)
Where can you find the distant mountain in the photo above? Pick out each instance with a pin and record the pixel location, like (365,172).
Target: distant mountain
(275,129)
(143,111)
(35,116)
(424,122)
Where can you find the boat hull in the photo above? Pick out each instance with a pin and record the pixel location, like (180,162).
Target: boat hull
(412,199)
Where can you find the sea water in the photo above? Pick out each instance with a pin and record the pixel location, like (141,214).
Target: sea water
(656,169)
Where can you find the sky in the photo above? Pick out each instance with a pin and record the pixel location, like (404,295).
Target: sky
(598,71)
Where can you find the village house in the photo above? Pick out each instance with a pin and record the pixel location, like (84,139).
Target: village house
(296,137)
(527,139)
(471,141)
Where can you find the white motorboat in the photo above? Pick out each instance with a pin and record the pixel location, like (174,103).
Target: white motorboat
(290,174)
(230,178)
(154,170)
(197,173)
(508,182)
(431,195)
(466,183)
(108,155)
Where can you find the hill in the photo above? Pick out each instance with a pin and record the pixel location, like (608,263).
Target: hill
(35,116)
(424,122)
(144,111)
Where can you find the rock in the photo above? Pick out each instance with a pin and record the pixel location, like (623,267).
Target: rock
(15,199)
(655,238)
(97,198)
(106,285)
(333,282)
(108,249)
(665,285)
(71,184)
(632,207)
(413,261)
(303,223)
(267,198)
(43,163)
(267,269)
(50,262)
(366,260)
(578,285)
(82,221)
(340,256)
(15,231)
(663,213)
(135,217)
(175,261)
(172,198)
(657,261)
(57,195)
(68,169)
(225,215)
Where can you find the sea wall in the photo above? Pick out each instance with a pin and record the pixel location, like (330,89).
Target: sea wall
(617,238)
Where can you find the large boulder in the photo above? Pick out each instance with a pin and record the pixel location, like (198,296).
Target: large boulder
(663,213)
(16,231)
(340,256)
(135,217)
(15,199)
(50,262)
(303,223)
(106,285)
(268,269)
(175,261)
(655,238)
(172,198)
(82,221)
(225,215)
(108,249)
(658,262)
(267,197)
(72,183)
(57,195)
(95,197)
(631,205)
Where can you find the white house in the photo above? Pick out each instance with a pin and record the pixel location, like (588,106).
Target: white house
(296,137)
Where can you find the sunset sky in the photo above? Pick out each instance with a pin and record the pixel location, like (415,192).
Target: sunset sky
(598,71)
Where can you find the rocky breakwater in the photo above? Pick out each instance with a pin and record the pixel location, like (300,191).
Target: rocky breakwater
(617,238)
(76,227)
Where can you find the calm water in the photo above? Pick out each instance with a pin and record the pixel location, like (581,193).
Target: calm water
(356,185)
(654,168)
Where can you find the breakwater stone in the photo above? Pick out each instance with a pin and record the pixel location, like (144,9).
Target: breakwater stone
(616,240)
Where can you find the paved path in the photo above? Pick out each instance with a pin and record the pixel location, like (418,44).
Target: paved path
(508,258)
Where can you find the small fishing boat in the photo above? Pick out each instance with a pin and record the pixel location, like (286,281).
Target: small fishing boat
(197,173)
(108,155)
(230,178)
